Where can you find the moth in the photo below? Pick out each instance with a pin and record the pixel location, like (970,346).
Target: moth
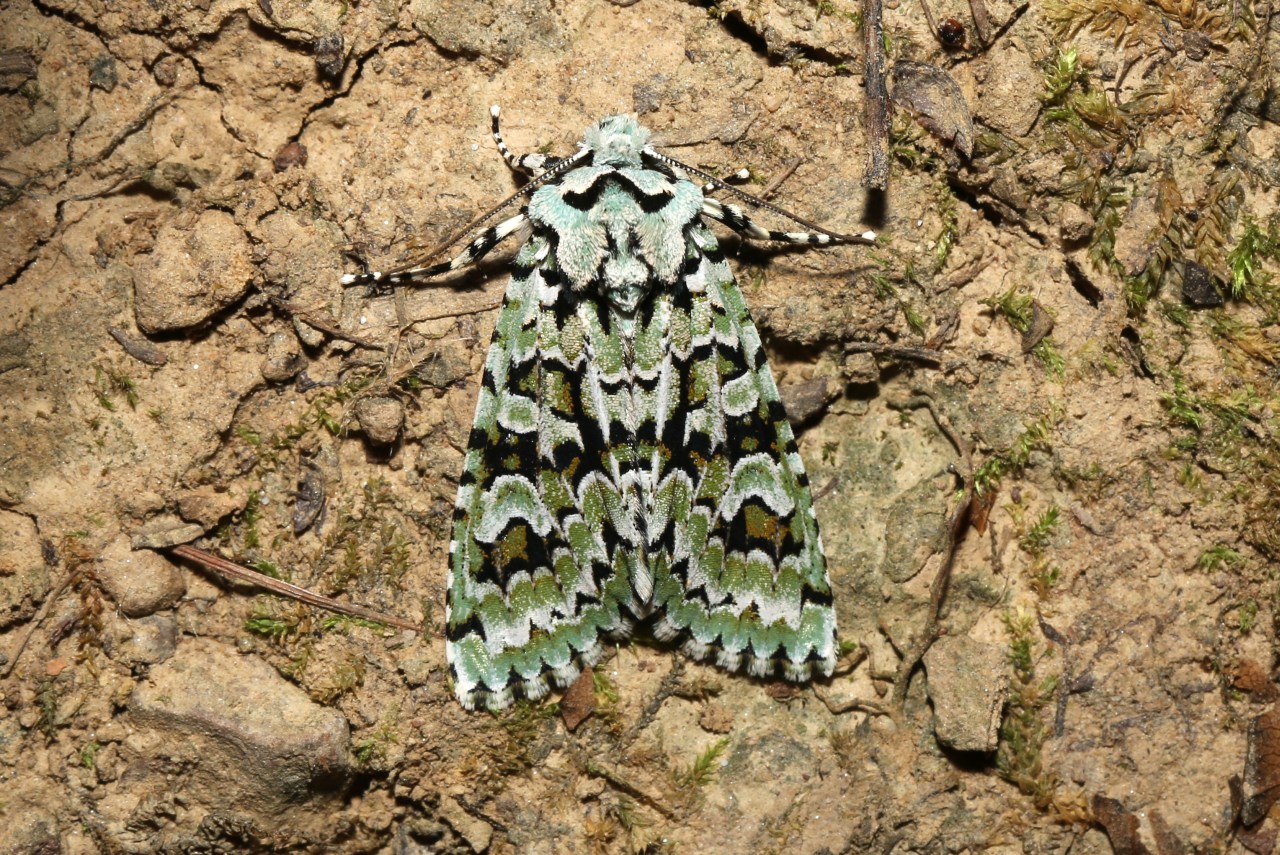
(630,459)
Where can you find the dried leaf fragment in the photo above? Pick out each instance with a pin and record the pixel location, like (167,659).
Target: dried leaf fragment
(1261,767)
(579,700)
(933,96)
(310,499)
(1120,825)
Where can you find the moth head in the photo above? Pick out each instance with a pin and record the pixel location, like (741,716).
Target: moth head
(616,140)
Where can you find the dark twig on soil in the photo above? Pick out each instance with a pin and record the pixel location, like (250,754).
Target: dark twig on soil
(231,570)
(666,689)
(955,529)
(772,186)
(920,354)
(142,351)
(981,22)
(929,19)
(476,813)
(876,175)
(827,489)
(310,319)
(596,769)
(24,635)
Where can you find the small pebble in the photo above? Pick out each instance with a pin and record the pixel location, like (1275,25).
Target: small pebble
(284,358)
(380,419)
(140,581)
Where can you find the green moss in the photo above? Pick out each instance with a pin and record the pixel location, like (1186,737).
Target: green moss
(369,542)
(1035,435)
(523,724)
(1060,75)
(344,678)
(1014,306)
(1245,260)
(1134,22)
(1218,557)
(267,622)
(1247,616)
(1087,482)
(246,522)
(1035,540)
(1050,358)
(48,697)
(702,770)
(88,754)
(1023,730)
(950,226)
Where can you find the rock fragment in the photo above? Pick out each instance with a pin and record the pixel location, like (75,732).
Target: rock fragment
(192,274)
(284,358)
(251,740)
(139,581)
(380,419)
(968,683)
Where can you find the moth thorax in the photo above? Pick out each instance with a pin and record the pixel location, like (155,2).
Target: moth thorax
(625,282)
(616,140)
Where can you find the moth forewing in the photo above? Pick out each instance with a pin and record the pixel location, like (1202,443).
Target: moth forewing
(630,459)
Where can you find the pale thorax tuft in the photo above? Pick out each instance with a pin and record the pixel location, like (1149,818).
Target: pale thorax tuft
(617,140)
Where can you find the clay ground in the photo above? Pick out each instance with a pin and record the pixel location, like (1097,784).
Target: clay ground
(1074,192)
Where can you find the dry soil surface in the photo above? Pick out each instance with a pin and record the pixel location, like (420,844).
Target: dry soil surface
(1070,319)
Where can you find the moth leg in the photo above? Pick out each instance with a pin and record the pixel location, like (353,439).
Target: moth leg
(531,164)
(737,219)
(478,248)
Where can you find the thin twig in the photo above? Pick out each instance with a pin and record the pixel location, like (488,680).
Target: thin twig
(24,635)
(772,186)
(955,528)
(618,782)
(981,22)
(836,707)
(920,354)
(143,351)
(928,16)
(310,319)
(876,175)
(462,313)
(670,682)
(231,570)
(476,813)
(827,489)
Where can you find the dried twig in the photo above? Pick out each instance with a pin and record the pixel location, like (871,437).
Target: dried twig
(876,175)
(666,689)
(595,769)
(24,635)
(231,570)
(836,707)
(772,186)
(462,313)
(141,350)
(929,19)
(981,22)
(920,354)
(955,528)
(310,319)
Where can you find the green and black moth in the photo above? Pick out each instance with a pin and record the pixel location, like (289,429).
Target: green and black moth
(630,459)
